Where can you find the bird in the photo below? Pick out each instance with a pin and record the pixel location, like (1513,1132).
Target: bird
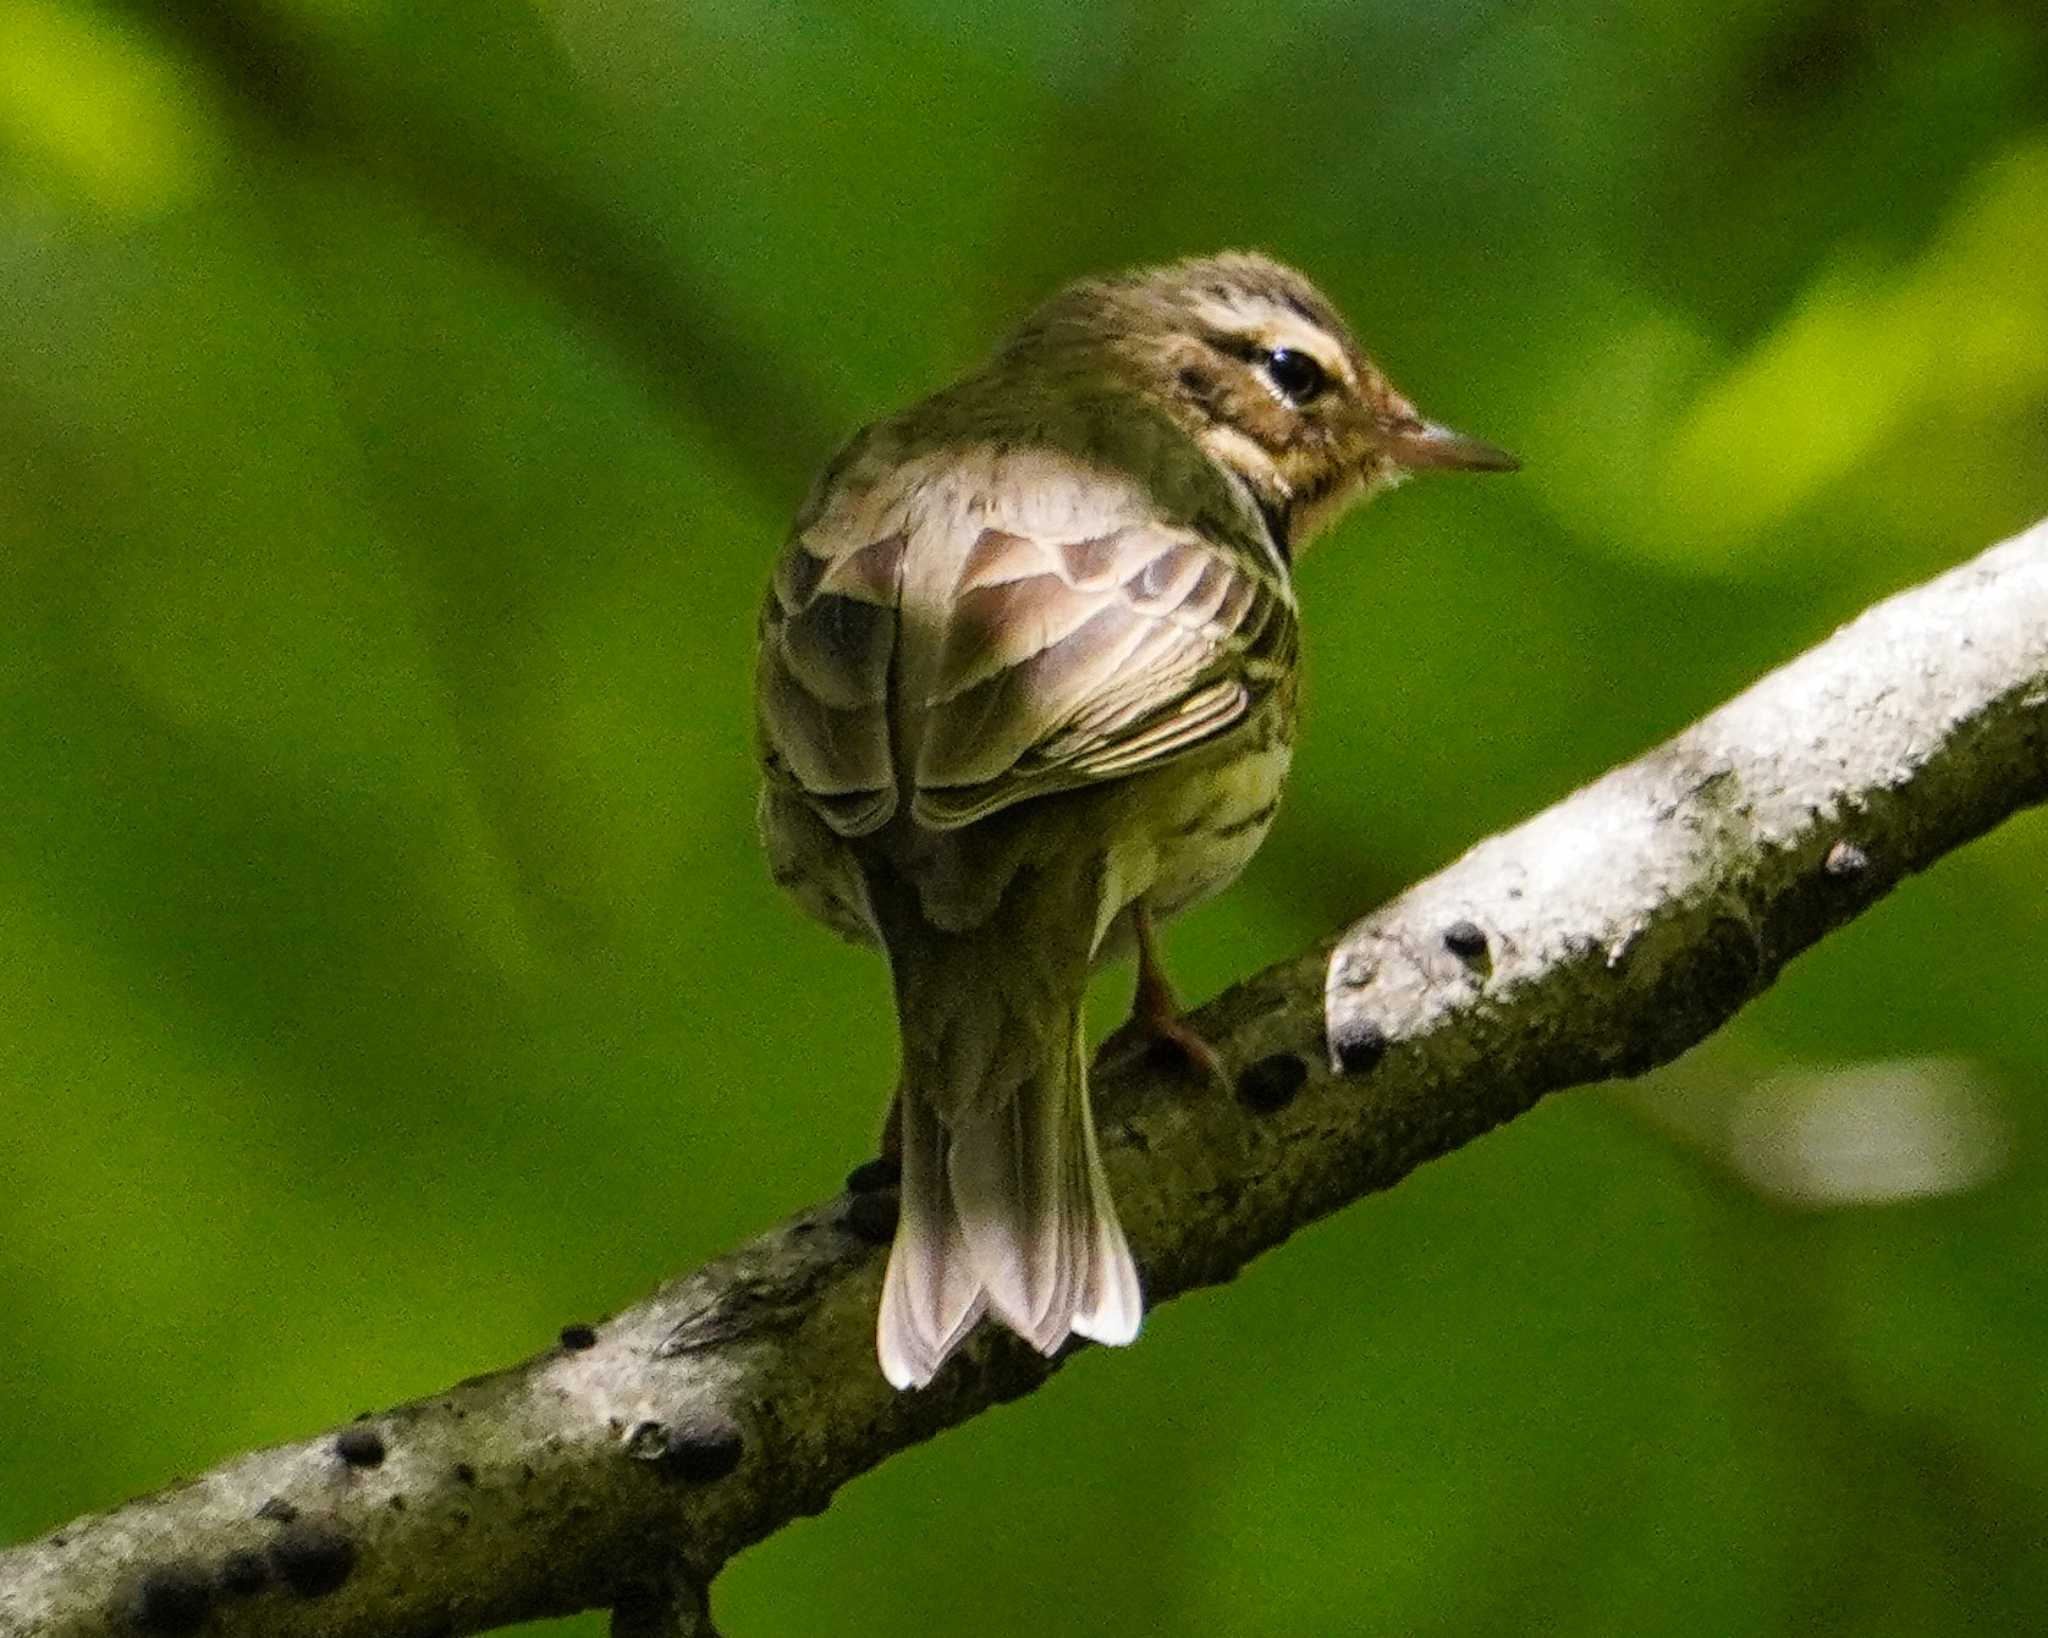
(1026,686)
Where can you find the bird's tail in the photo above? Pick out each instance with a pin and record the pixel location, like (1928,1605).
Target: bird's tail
(1006,1212)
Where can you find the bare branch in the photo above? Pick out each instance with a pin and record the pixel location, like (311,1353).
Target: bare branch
(622,1468)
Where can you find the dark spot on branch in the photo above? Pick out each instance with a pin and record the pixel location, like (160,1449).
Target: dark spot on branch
(705,1448)
(1465,939)
(360,1447)
(1272,1082)
(701,1447)
(277,1510)
(169,1598)
(648,1442)
(243,1574)
(1361,1046)
(576,1338)
(872,1176)
(871,1217)
(464,1473)
(312,1559)
(1846,859)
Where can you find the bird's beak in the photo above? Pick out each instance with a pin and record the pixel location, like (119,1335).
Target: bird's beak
(1423,446)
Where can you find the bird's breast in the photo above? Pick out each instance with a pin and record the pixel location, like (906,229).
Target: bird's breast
(1213,810)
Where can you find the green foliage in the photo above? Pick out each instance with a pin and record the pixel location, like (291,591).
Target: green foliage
(400,405)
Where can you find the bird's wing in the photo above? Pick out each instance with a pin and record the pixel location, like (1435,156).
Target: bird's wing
(822,681)
(1069,659)
(1001,644)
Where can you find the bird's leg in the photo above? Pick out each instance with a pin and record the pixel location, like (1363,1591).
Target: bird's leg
(1156,1021)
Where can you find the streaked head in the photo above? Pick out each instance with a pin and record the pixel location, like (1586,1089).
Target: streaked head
(1259,367)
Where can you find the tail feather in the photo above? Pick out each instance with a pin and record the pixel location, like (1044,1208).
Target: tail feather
(1006,1210)
(1007,1170)
(931,1298)
(1111,1305)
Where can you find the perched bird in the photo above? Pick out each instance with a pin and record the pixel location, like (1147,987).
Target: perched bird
(1026,687)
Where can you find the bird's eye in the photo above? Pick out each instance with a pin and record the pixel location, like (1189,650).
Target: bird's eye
(1298,376)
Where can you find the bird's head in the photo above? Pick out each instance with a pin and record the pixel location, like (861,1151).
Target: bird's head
(1259,368)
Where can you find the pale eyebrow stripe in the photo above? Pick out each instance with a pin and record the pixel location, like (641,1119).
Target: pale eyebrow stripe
(1245,327)
(1278,323)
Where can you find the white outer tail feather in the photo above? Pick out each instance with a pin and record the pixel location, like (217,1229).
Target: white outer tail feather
(1007,1214)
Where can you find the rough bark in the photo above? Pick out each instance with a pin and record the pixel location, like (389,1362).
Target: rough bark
(623,1467)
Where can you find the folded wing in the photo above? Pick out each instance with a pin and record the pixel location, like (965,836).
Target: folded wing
(1049,658)
(1070,661)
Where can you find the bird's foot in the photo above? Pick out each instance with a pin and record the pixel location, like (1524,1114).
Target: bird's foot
(1157,1027)
(1165,1039)
(1176,1040)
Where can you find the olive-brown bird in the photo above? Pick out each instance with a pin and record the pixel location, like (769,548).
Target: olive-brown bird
(1027,687)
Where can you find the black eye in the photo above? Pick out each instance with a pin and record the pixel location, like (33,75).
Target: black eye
(1299,377)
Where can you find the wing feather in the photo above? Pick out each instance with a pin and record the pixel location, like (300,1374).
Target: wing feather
(822,678)
(1101,657)
(1020,638)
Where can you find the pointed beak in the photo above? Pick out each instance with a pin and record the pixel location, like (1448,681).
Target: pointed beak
(1424,446)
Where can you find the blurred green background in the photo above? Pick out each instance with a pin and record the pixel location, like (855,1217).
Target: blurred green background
(399,407)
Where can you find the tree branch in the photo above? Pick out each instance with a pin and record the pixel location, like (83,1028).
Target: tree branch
(623,1468)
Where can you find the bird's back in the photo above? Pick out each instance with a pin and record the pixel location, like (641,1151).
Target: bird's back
(954,630)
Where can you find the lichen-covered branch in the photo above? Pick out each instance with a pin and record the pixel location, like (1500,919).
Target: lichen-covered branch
(622,1467)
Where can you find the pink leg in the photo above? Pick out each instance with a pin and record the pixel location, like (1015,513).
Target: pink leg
(1155,1011)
